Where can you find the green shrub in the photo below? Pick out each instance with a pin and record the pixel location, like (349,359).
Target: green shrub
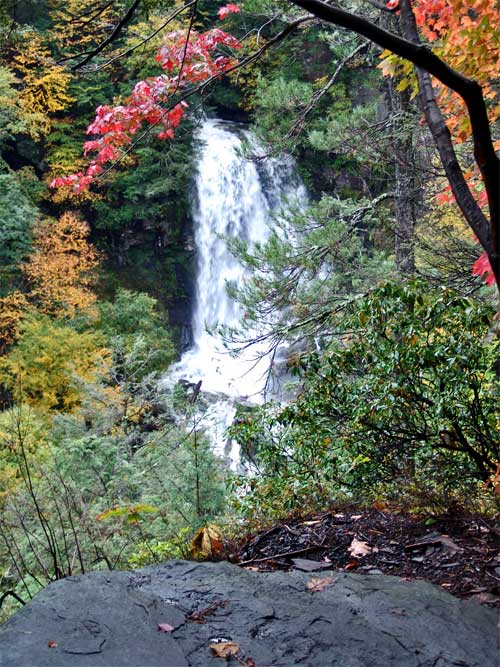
(408,396)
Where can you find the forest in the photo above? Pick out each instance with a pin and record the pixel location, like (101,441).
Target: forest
(361,138)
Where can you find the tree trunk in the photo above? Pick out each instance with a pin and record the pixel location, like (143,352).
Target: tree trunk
(407,190)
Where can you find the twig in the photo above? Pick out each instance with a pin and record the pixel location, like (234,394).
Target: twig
(116,32)
(421,545)
(490,528)
(286,554)
(12,594)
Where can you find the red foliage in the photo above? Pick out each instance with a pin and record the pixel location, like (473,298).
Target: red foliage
(230,8)
(114,127)
(482,268)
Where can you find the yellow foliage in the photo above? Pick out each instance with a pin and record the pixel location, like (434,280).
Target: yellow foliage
(247,78)
(80,24)
(143,53)
(44,84)
(442,228)
(394,66)
(12,308)
(21,428)
(51,363)
(59,270)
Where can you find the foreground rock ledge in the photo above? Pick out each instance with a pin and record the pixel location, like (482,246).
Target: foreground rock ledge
(111,619)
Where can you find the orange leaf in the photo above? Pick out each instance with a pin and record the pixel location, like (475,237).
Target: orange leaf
(225,649)
(316,584)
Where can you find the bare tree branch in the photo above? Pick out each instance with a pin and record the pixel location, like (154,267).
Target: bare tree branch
(114,35)
(169,19)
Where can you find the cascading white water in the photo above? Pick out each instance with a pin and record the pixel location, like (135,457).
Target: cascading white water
(235,197)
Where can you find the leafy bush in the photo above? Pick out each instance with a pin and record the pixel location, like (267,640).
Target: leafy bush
(17,217)
(137,333)
(409,395)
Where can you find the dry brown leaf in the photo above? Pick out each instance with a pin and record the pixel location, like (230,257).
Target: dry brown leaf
(52,644)
(206,543)
(380,505)
(317,584)
(358,549)
(225,649)
(201,615)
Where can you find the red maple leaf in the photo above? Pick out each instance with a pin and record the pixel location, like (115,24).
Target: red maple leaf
(481,267)
(231,8)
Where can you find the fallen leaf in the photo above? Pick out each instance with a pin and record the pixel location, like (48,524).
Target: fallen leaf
(165,627)
(206,543)
(52,644)
(449,544)
(250,662)
(316,584)
(352,565)
(225,649)
(380,505)
(356,517)
(358,549)
(201,615)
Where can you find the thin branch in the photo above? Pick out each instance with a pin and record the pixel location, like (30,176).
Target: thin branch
(94,12)
(298,126)
(114,35)
(93,17)
(170,18)
(13,594)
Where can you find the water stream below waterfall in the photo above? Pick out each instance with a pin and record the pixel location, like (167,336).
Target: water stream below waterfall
(232,196)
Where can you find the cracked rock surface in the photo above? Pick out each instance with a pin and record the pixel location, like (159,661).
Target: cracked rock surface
(110,619)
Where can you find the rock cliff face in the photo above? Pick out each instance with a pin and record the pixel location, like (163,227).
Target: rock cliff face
(281,619)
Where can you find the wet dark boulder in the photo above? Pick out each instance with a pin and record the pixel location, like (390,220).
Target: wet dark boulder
(281,619)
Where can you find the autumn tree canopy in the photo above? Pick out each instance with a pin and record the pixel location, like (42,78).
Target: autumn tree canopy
(439,37)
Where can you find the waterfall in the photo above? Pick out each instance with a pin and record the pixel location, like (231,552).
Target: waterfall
(233,196)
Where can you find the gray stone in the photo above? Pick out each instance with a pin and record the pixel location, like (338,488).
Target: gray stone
(110,619)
